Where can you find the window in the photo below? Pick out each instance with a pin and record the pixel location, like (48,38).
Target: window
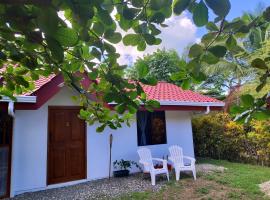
(151,128)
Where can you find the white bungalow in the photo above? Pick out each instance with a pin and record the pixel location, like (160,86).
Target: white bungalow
(43,144)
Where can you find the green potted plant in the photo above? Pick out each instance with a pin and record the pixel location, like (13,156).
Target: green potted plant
(122,167)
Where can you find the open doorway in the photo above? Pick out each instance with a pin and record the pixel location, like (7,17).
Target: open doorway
(5,153)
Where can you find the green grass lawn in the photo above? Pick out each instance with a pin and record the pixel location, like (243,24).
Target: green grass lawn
(243,176)
(239,181)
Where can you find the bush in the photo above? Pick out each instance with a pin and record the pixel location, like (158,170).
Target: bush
(217,136)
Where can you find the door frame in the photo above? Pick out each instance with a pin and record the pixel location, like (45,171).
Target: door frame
(9,160)
(85,142)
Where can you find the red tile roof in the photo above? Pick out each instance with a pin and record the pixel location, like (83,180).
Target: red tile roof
(40,82)
(164,91)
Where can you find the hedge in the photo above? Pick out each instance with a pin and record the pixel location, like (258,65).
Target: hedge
(218,136)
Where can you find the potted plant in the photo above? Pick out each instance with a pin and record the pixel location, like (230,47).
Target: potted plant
(122,167)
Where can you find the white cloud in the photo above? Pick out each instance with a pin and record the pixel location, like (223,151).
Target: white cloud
(180,32)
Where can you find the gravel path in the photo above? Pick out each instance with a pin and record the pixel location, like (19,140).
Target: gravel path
(265,187)
(99,189)
(107,189)
(208,168)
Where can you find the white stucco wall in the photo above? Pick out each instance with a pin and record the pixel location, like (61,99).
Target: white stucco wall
(29,156)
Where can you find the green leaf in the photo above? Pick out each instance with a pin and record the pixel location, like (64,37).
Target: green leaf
(149,80)
(234,109)
(113,37)
(198,78)
(259,63)
(47,20)
(211,26)
(261,86)
(219,51)
(93,75)
(261,115)
(137,3)
(154,30)
(56,49)
(120,108)
(141,45)
(131,39)
(153,103)
(66,36)
(142,70)
(207,38)
(83,113)
(247,100)
(220,7)
(186,84)
(150,39)
(108,97)
(105,17)
(231,42)
(266,14)
(157,18)
(98,28)
(101,128)
(195,66)
(131,109)
(178,76)
(210,58)
(95,52)
(109,48)
(130,13)
(195,50)
(200,14)
(180,5)
(157,4)
(21,81)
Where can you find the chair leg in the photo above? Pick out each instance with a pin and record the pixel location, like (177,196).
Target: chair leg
(177,174)
(168,177)
(194,173)
(153,179)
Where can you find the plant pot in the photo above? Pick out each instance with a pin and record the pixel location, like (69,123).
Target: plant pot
(121,173)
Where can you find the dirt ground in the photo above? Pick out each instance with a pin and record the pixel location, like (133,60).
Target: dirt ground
(199,190)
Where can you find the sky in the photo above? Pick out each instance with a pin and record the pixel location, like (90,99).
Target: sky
(181,31)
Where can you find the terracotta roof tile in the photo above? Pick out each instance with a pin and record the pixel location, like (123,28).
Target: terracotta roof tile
(164,91)
(40,82)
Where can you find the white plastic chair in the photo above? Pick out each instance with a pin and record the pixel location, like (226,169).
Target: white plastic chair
(148,167)
(177,158)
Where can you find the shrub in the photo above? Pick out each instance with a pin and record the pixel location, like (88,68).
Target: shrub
(218,137)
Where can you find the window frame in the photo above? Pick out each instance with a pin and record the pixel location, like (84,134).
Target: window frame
(149,128)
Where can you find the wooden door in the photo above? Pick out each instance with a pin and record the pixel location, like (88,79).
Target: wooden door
(5,153)
(66,145)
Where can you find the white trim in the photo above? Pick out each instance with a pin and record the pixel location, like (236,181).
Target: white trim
(207,110)
(23,99)
(187,103)
(11,108)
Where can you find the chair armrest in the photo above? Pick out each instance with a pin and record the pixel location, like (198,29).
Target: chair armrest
(193,160)
(144,163)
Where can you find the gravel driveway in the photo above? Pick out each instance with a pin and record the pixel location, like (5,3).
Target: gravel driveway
(99,189)
(108,189)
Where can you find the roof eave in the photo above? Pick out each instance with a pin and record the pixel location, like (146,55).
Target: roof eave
(187,103)
(191,103)
(20,99)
